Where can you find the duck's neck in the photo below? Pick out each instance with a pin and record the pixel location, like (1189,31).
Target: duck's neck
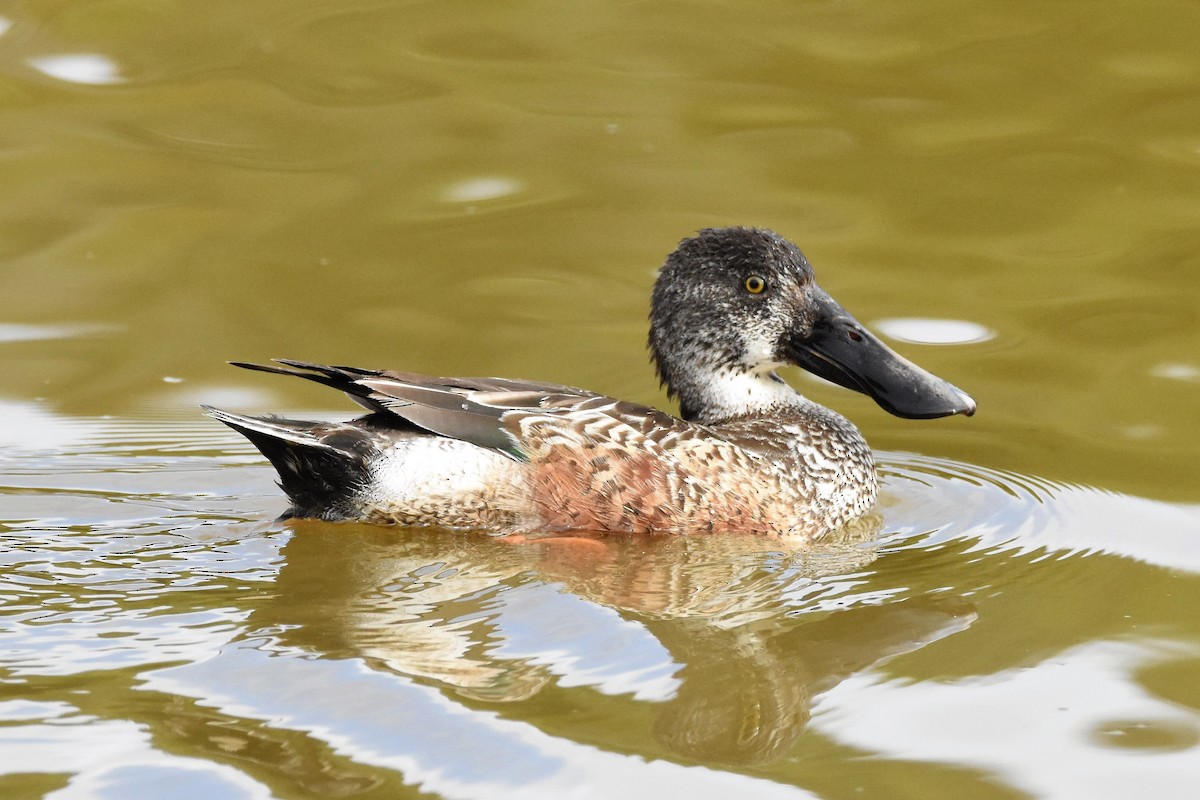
(725,394)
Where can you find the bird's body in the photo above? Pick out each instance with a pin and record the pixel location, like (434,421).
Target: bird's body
(750,454)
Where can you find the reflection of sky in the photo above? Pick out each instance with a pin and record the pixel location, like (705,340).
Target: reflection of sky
(15,332)
(920,330)
(1177,372)
(583,643)
(480,189)
(389,721)
(110,759)
(86,68)
(1049,729)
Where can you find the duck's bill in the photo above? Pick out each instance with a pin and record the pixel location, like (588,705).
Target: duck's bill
(842,351)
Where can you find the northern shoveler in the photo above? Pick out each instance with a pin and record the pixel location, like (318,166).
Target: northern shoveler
(748,453)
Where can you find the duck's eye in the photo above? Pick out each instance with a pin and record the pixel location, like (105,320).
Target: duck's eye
(755,285)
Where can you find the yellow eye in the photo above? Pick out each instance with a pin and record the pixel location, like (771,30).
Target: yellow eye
(755,284)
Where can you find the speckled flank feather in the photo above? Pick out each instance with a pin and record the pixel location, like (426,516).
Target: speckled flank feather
(628,468)
(750,454)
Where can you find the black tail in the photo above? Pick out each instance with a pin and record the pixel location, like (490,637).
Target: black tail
(322,466)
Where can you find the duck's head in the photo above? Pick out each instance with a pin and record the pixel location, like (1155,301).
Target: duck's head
(732,305)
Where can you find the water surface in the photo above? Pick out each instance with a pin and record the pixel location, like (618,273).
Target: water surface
(1009,195)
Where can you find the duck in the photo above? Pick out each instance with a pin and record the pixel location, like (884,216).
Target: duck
(747,453)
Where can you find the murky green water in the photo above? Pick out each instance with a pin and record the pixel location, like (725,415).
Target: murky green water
(473,188)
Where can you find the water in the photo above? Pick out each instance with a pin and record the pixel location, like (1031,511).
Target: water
(1008,195)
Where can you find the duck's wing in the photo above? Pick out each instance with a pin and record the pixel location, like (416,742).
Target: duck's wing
(494,413)
(350,380)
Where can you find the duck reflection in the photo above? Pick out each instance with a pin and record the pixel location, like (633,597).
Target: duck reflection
(729,638)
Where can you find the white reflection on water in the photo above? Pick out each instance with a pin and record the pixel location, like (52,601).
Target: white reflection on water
(1042,722)
(480,189)
(16,332)
(1177,372)
(437,744)
(111,759)
(92,69)
(114,638)
(921,330)
(563,640)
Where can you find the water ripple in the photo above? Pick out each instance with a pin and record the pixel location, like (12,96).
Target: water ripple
(930,502)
